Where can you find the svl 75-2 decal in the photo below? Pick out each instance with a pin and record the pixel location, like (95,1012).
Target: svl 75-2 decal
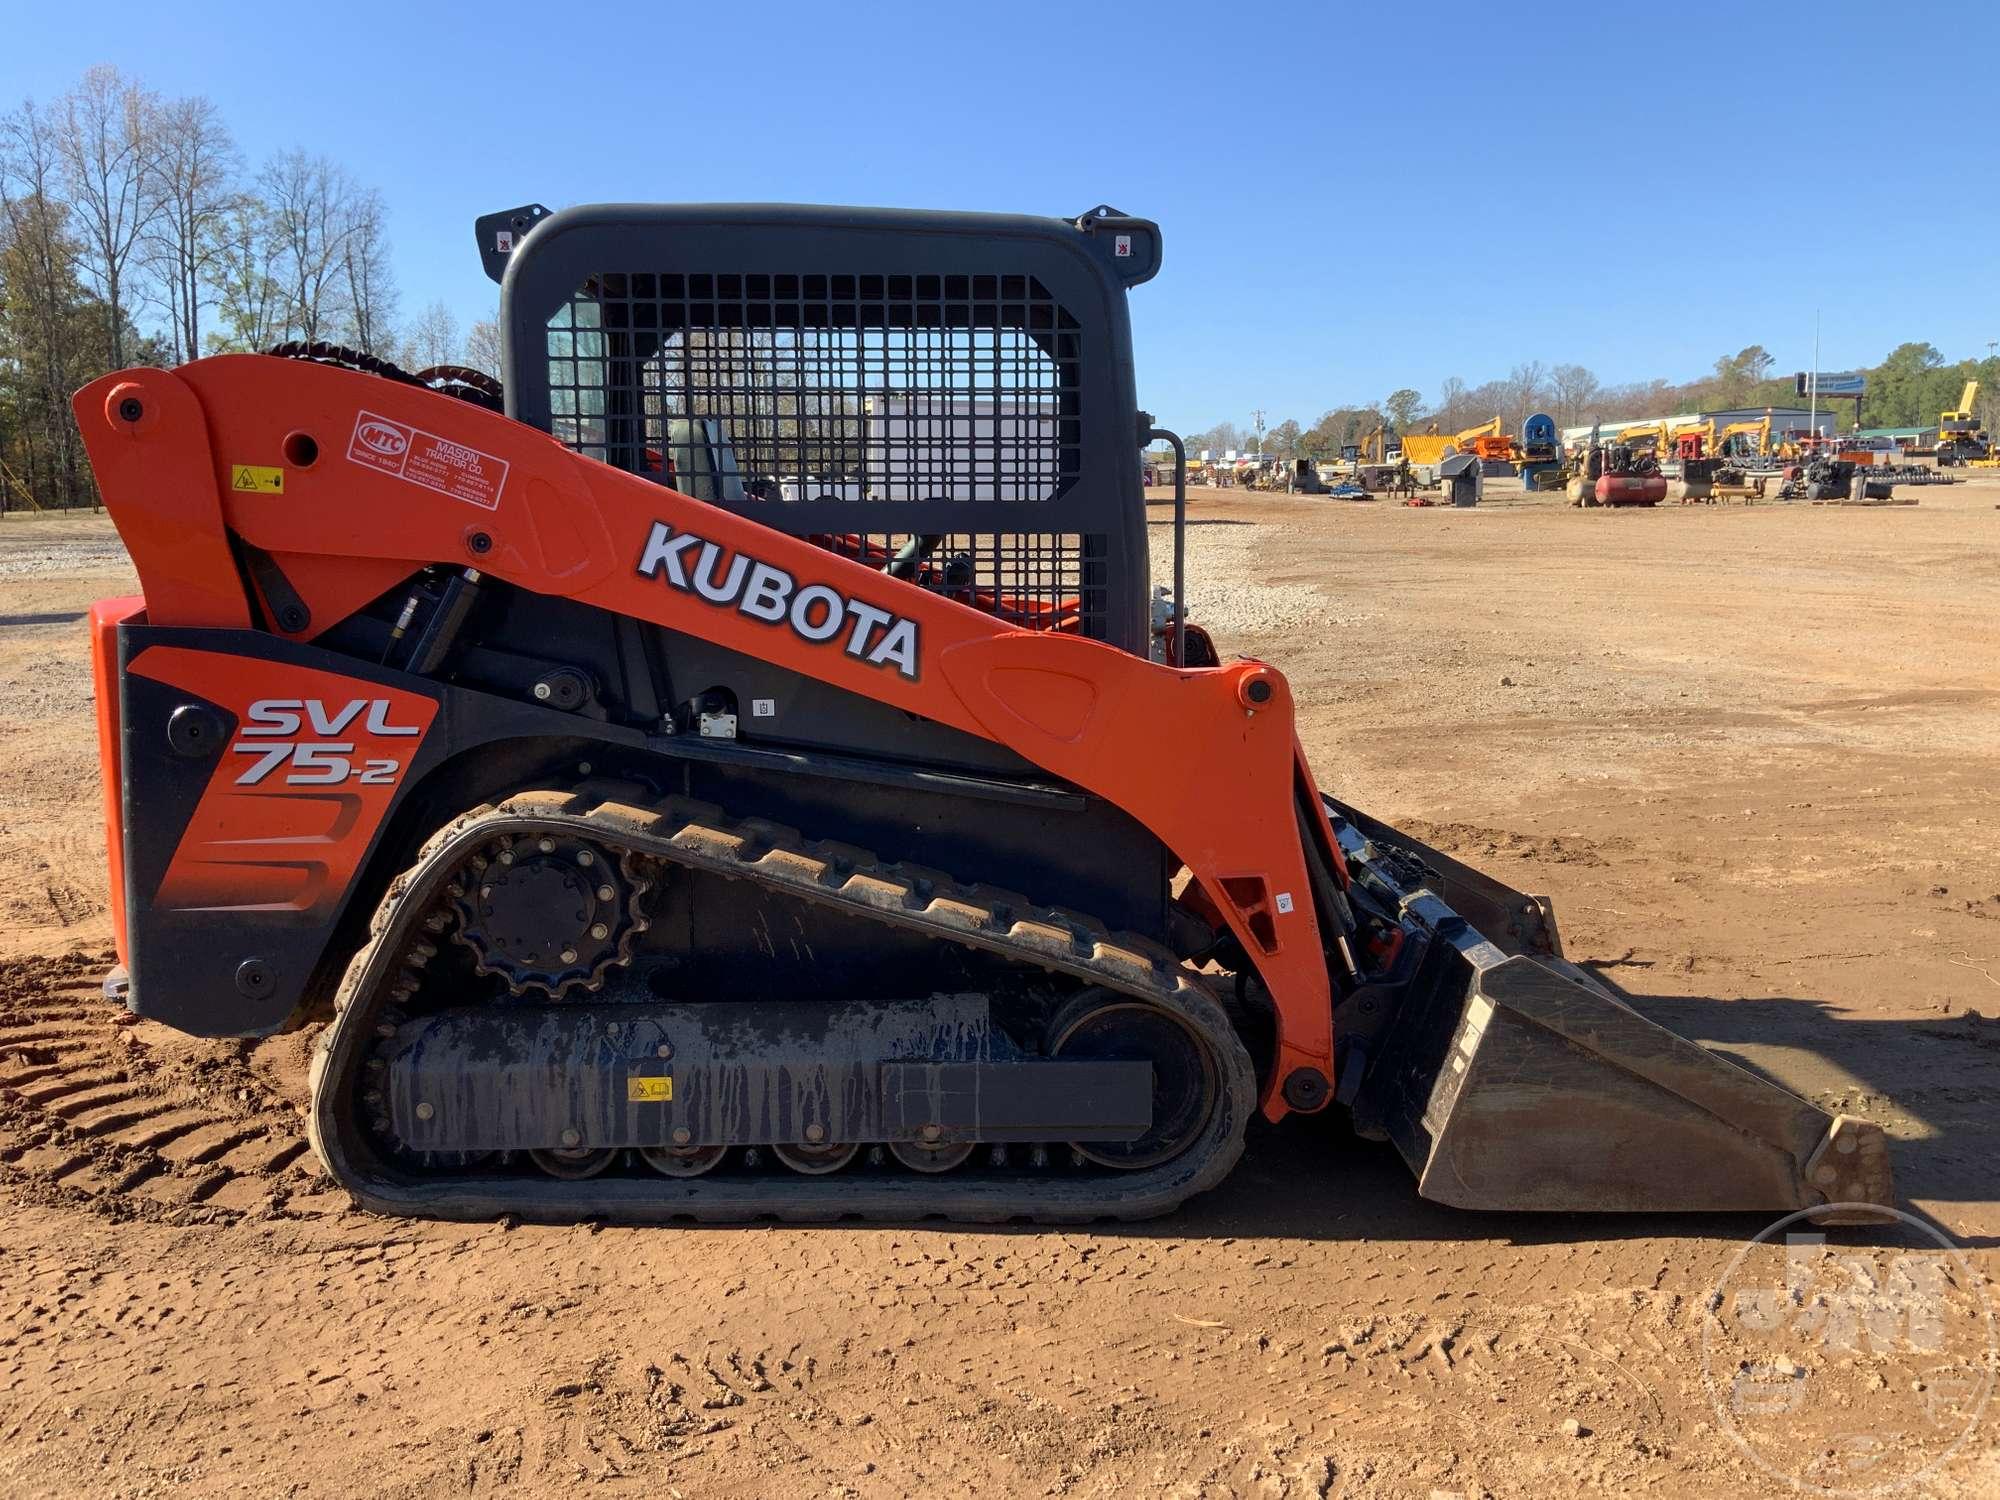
(295,799)
(270,731)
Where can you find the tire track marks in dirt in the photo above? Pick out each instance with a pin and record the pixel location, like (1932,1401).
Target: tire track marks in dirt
(620,1417)
(101,1111)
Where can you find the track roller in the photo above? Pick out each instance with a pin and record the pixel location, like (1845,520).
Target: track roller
(816,1161)
(682,1161)
(921,1157)
(573,1163)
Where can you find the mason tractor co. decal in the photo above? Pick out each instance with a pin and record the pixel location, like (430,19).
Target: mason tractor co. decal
(426,459)
(813,612)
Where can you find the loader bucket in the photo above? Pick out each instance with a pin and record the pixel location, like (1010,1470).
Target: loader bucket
(1509,1078)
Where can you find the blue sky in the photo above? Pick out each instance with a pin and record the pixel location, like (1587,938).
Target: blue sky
(1353,198)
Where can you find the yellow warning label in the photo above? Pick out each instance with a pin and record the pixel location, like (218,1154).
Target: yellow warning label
(648,1090)
(258,477)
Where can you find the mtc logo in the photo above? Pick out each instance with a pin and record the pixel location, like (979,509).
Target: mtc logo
(381,438)
(276,731)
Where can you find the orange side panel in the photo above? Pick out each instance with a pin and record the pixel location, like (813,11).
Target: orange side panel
(402,477)
(296,798)
(106,615)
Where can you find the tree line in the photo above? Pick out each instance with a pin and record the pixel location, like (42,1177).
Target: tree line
(1909,388)
(133,232)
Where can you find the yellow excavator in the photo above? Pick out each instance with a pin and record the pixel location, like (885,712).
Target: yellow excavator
(1653,433)
(1743,439)
(1961,439)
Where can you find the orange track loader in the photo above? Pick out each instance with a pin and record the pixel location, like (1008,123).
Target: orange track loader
(837,833)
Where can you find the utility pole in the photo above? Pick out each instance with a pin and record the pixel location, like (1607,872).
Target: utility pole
(1812,409)
(1257,421)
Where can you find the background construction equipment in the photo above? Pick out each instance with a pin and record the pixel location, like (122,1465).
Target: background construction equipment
(1961,437)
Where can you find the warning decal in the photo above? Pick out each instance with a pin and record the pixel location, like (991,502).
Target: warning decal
(424,458)
(257,478)
(649,1090)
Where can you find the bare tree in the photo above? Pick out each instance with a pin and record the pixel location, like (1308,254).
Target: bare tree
(313,214)
(1340,427)
(250,305)
(1524,388)
(102,140)
(434,339)
(1575,392)
(1224,436)
(371,284)
(482,347)
(192,168)
(1452,404)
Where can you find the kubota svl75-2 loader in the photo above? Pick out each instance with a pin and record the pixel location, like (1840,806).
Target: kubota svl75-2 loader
(742,776)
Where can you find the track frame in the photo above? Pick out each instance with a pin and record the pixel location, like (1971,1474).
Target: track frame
(403,938)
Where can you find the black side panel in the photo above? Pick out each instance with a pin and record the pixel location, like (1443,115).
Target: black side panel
(780,707)
(188,964)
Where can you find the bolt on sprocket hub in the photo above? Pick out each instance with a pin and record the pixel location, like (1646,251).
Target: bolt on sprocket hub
(551,914)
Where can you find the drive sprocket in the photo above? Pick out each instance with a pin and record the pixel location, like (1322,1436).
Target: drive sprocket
(551,914)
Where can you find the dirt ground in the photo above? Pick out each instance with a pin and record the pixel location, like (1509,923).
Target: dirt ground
(1753,753)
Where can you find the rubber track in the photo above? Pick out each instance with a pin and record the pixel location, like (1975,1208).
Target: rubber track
(698,836)
(86,1115)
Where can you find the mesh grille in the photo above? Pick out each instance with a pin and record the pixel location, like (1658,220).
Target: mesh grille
(880,388)
(1037,581)
(756,391)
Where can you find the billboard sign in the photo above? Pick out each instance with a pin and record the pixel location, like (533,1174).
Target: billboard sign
(1831,383)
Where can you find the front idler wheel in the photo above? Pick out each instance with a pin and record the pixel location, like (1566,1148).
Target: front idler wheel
(1094,1027)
